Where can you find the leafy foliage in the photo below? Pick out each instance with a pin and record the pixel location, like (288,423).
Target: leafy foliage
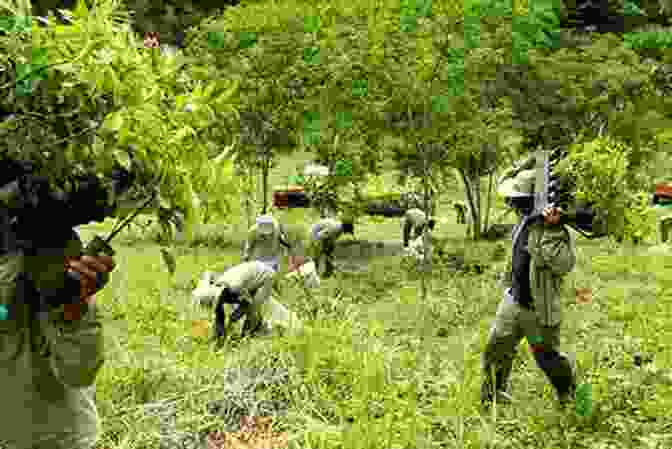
(97,94)
(604,178)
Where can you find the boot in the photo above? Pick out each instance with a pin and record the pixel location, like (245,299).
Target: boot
(560,370)
(499,392)
(239,310)
(569,395)
(260,330)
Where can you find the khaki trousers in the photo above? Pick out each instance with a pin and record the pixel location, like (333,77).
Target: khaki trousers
(512,323)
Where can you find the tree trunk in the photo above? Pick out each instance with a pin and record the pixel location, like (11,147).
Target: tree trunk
(423,279)
(489,202)
(265,169)
(248,201)
(473,203)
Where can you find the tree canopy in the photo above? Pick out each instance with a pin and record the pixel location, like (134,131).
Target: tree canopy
(78,97)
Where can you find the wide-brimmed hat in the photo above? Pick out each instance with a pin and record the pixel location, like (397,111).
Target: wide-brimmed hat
(265,224)
(519,186)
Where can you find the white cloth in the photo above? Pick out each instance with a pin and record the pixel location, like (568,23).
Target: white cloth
(326,228)
(415,217)
(206,292)
(277,315)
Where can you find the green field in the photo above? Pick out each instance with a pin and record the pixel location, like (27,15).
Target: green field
(376,366)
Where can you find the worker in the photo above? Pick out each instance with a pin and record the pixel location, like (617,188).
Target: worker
(414,222)
(265,242)
(543,254)
(323,237)
(246,287)
(460,211)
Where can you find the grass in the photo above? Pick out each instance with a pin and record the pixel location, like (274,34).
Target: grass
(376,367)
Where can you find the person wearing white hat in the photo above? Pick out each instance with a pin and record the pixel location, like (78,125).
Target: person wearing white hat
(265,242)
(247,287)
(414,223)
(542,254)
(323,237)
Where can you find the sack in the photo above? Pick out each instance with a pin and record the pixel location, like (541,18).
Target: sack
(277,315)
(206,293)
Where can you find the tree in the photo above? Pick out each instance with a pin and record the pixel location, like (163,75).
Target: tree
(602,90)
(275,62)
(259,142)
(96,94)
(506,85)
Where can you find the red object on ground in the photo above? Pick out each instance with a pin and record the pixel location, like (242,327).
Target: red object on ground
(664,190)
(280,199)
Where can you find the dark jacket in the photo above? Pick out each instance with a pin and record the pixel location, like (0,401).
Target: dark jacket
(538,266)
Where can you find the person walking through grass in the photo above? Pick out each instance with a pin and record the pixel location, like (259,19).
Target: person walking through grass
(542,254)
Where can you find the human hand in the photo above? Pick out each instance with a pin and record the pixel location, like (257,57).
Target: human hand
(92,271)
(295,262)
(551,215)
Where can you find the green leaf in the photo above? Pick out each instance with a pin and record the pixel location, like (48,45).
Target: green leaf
(209,90)
(113,122)
(360,88)
(123,158)
(248,39)
(408,23)
(440,104)
(180,101)
(24,88)
(81,11)
(630,8)
(228,93)
(344,119)
(39,57)
(311,55)
(312,24)
(7,23)
(15,24)
(164,203)
(216,39)
(168,260)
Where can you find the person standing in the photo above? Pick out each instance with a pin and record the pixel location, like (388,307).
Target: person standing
(414,223)
(323,237)
(543,253)
(460,212)
(265,242)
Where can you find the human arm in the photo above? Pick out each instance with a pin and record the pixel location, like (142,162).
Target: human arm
(73,331)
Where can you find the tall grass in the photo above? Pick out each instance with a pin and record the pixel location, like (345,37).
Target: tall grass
(378,368)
